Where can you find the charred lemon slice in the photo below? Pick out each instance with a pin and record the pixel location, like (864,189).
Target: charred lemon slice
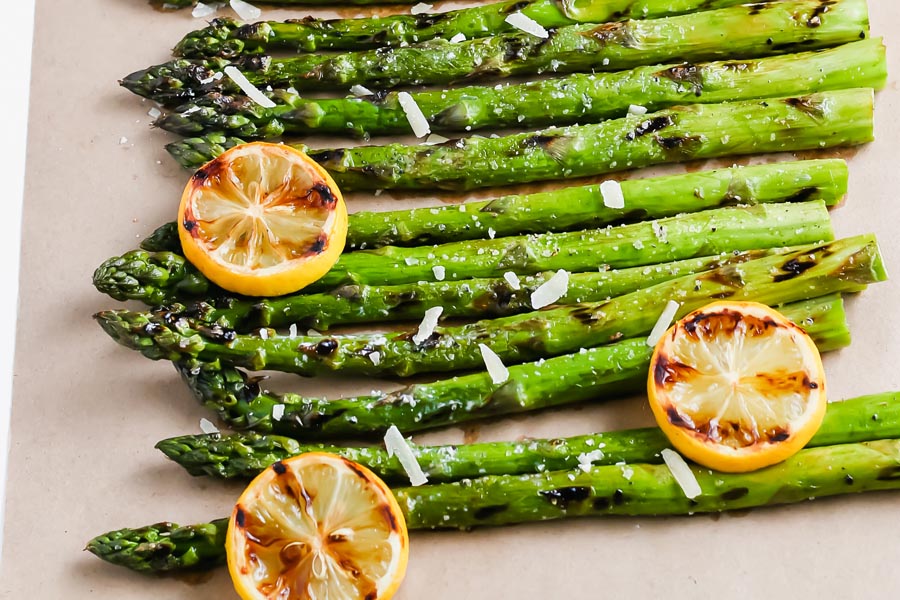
(262,220)
(317,526)
(736,386)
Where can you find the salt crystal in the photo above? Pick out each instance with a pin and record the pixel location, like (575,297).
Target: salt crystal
(634,109)
(513,280)
(420,8)
(203,10)
(278,412)
(375,357)
(459,37)
(154,113)
(207,427)
(434,138)
(439,272)
(359,90)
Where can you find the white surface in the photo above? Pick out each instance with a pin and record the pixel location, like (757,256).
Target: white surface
(13,103)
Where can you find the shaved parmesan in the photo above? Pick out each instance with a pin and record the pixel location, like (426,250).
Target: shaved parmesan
(292,330)
(436,139)
(414,115)
(682,473)
(495,367)
(513,280)
(420,8)
(154,112)
(245,11)
(459,37)
(551,290)
(662,324)
(278,412)
(203,10)
(612,194)
(634,109)
(429,322)
(527,24)
(375,357)
(248,88)
(207,427)
(439,272)
(397,446)
(359,90)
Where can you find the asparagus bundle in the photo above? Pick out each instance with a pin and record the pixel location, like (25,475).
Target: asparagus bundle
(583,207)
(579,98)
(229,38)
(637,489)
(244,455)
(625,8)
(825,120)
(729,33)
(591,374)
(846,265)
(159,278)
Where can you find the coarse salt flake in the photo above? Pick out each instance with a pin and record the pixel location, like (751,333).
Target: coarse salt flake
(361,90)
(397,445)
(203,10)
(207,427)
(414,115)
(439,272)
(612,194)
(123,140)
(278,412)
(495,367)
(634,109)
(551,290)
(154,113)
(420,8)
(434,139)
(586,459)
(662,324)
(429,322)
(264,333)
(682,473)
(527,24)
(292,330)
(459,37)
(375,357)
(248,88)
(245,11)
(513,280)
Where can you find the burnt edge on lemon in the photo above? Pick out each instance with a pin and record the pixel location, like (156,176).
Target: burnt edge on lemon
(710,322)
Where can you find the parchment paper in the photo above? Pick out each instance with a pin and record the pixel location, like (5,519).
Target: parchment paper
(87,412)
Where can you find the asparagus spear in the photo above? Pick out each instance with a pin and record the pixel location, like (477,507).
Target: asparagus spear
(157,279)
(244,455)
(579,98)
(839,266)
(829,119)
(574,208)
(230,38)
(592,374)
(729,33)
(466,298)
(637,489)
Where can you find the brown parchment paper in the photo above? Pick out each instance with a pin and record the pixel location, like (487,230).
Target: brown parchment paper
(87,412)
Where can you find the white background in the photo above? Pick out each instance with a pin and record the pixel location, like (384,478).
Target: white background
(19,15)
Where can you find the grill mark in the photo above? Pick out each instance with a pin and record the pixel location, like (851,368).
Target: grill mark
(564,496)
(815,20)
(687,73)
(608,34)
(486,512)
(807,105)
(803,194)
(649,126)
(735,494)
(795,267)
(326,347)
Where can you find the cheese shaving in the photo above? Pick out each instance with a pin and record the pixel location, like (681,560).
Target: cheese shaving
(439,272)
(682,473)
(513,280)
(527,24)
(207,427)
(248,88)
(634,109)
(203,10)
(397,445)
(278,412)
(459,37)
(434,139)
(662,324)
(495,367)
(414,115)
(551,290)
(360,90)
(612,194)
(420,8)
(429,322)
(245,11)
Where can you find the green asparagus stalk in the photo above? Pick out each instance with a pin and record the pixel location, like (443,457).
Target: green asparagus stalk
(637,489)
(579,98)
(829,119)
(574,208)
(139,275)
(589,375)
(736,32)
(245,455)
(481,298)
(229,38)
(839,266)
